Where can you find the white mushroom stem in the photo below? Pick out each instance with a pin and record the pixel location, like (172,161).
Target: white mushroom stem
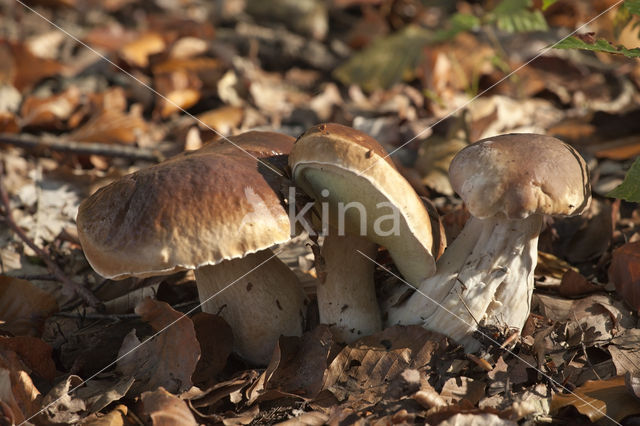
(347,297)
(259,306)
(485,275)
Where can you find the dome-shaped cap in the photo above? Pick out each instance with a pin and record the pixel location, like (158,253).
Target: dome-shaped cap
(196,209)
(355,168)
(521,174)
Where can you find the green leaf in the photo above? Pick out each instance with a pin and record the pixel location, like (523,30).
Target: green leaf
(547,3)
(629,189)
(387,60)
(459,22)
(600,45)
(633,6)
(516,16)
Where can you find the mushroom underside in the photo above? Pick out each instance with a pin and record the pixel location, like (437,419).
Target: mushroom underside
(260,298)
(484,277)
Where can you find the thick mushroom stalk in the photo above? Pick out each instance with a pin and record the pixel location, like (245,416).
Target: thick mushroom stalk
(259,296)
(355,312)
(361,197)
(486,275)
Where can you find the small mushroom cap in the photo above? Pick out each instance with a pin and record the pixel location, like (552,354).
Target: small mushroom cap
(198,208)
(355,168)
(519,175)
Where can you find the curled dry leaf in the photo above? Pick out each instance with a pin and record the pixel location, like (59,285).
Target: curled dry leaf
(297,367)
(216,343)
(169,358)
(72,400)
(19,398)
(52,112)
(114,417)
(624,272)
(625,351)
(597,398)
(166,409)
(24,307)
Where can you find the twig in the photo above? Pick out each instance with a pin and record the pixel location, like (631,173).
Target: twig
(100,316)
(83,148)
(84,293)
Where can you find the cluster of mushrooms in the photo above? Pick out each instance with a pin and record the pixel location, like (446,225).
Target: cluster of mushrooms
(220,210)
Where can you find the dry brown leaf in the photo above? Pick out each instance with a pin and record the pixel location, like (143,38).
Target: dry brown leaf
(574,284)
(596,398)
(297,367)
(166,409)
(361,370)
(433,161)
(71,400)
(114,417)
(137,52)
(456,389)
(52,112)
(230,391)
(223,119)
(24,68)
(624,272)
(111,126)
(24,307)
(35,354)
(19,396)
(8,122)
(625,351)
(168,359)
(216,343)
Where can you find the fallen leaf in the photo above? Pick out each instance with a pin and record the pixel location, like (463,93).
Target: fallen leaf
(574,284)
(111,126)
(221,394)
(52,112)
(456,389)
(19,397)
(114,417)
(223,119)
(597,398)
(35,354)
(169,358)
(624,272)
(26,69)
(73,399)
(24,307)
(625,351)
(166,409)
(216,344)
(358,373)
(137,52)
(297,367)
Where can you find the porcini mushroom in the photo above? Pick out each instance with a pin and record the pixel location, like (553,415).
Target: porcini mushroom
(217,211)
(367,202)
(508,183)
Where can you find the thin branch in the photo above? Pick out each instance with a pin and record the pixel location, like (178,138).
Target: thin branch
(84,293)
(82,148)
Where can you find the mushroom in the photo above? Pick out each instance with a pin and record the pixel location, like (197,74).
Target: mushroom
(217,211)
(363,201)
(508,183)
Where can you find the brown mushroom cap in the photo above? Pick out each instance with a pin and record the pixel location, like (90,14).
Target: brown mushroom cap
(354,167)
(196,209)
(519,175)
